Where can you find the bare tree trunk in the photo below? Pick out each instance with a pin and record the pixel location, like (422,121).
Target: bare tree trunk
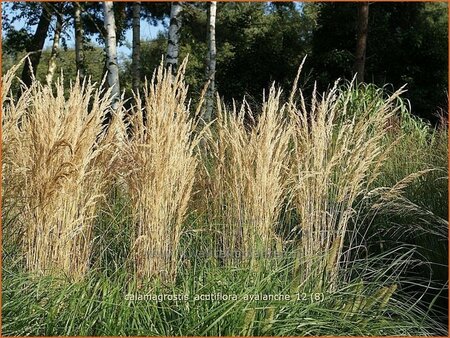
(79,56)
(55,48)
(361,40)
(136,57)
(211,60)
(36,46)
(111,53)
(174,36)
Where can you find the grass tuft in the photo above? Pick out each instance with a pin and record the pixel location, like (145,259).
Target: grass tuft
(159,164)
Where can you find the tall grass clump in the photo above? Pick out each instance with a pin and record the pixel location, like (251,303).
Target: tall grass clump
(249,178)
(334,161)
(329,216)
(10,130)
(159,165)
(52,145)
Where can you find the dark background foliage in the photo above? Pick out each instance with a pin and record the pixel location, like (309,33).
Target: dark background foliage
(258,43)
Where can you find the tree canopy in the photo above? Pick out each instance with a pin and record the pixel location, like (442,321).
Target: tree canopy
(262,42)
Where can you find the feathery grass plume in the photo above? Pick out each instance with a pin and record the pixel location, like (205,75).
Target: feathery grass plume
(337,153)
(269,319)
(249,321)
(160,162)
(52,144)
(249,178)
(12,111)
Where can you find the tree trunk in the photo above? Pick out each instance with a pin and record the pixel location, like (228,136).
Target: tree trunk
(174,36)
(111,53)
(211,60)
(55,48)
(361,40)
(35,48)
(136,57)
(79,55)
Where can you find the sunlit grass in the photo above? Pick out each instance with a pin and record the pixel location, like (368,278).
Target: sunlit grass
(344,195)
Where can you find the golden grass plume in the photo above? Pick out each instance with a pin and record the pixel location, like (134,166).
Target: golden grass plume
(51,145)
(159,163)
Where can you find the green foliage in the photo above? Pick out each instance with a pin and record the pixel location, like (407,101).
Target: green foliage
(263,44)
(418,155)
(256,45)
(94,60)
(15,42)
(407,44)
(103,304)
